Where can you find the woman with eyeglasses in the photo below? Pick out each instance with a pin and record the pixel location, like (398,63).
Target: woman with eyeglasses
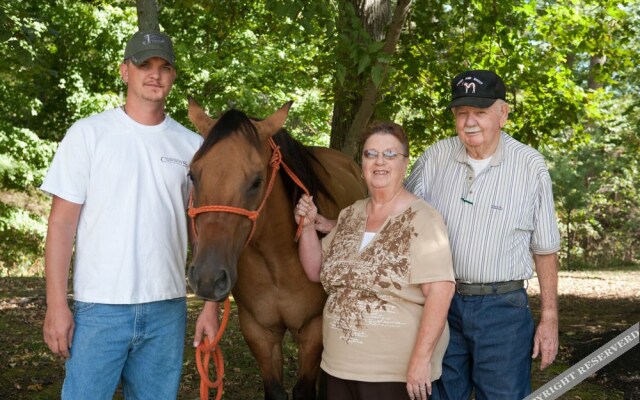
(387,270)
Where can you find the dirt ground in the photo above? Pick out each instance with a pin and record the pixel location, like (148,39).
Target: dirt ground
(595,307)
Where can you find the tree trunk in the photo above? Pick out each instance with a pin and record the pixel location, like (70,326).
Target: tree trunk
(353,106)
(569,240)
(374,17)
(595,63)
(147,15)
(365,111)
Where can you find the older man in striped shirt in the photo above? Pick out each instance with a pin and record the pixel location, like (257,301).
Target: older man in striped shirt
(495,196)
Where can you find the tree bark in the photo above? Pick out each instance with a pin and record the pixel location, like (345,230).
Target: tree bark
(147,15)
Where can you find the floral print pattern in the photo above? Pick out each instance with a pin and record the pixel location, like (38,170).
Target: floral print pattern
(358,282)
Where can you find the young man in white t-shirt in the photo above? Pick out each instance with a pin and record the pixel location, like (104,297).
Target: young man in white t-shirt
(120,186)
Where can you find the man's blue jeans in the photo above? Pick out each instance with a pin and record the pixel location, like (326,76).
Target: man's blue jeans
(140,345)
(489,349)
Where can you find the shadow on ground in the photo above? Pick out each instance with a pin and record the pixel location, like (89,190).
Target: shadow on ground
(586,324)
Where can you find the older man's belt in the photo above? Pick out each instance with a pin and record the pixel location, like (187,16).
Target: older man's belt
(482,289)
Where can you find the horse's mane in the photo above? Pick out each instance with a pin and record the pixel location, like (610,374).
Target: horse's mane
(299,159)
(297,156)
(230,122)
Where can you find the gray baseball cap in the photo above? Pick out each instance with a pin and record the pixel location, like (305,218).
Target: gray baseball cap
(146,44)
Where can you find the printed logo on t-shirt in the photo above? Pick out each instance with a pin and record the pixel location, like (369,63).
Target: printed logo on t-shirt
(171,160)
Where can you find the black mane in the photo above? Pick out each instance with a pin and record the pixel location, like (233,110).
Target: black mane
(299,159)
(231,122)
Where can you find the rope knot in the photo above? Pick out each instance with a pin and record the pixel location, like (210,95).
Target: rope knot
(276,158)
(253,215)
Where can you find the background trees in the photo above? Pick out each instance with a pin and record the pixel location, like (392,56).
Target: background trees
(571,69)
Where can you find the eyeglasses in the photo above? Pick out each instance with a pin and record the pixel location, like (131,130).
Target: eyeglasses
(372,154)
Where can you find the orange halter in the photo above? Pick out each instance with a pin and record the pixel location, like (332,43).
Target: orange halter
(206,348)
(275,163)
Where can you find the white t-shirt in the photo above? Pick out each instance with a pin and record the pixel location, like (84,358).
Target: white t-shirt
(479,165)
(132,180)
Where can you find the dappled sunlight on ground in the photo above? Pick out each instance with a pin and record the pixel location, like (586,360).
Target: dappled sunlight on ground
(596,284)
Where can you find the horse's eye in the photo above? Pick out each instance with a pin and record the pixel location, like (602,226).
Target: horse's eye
(190,176)
(256,183)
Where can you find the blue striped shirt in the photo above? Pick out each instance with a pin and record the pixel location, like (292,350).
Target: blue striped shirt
(496,220)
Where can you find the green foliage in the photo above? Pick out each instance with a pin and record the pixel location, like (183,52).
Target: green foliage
(597,190)
(23,161)
(571,69)
(60,62)
(24,157)
(230,58)
(22,233)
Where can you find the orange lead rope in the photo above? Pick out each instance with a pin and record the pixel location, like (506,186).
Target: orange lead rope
(204,351)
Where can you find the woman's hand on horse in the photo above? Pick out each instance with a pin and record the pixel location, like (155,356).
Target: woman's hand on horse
(306,211)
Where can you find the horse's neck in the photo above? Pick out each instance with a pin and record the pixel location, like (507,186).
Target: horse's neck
(341,177)
(276,224)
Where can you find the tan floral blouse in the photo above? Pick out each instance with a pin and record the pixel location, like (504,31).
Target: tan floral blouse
(375,301)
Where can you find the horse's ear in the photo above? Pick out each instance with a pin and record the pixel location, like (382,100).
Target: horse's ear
(272,124)
(199,118)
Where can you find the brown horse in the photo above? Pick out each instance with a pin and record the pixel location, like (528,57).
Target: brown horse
(254,254)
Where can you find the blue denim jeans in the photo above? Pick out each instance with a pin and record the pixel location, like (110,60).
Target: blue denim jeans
(140,345)
(489,349)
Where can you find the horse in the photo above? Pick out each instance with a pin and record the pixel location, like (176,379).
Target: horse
(247,247)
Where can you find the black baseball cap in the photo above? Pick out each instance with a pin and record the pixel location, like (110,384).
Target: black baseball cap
(477,88)
(146,44)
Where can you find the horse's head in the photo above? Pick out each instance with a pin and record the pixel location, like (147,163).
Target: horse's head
(230,174)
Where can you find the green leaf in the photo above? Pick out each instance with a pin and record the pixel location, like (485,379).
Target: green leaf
(375,47)
(363,63)
(377,75)
(341,72)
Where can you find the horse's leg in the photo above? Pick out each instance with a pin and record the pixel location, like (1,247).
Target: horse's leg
(266,346)
(309,341)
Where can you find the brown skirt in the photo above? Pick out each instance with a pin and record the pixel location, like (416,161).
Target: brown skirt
(343,389)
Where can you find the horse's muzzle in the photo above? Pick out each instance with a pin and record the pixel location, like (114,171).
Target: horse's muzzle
(212,285)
